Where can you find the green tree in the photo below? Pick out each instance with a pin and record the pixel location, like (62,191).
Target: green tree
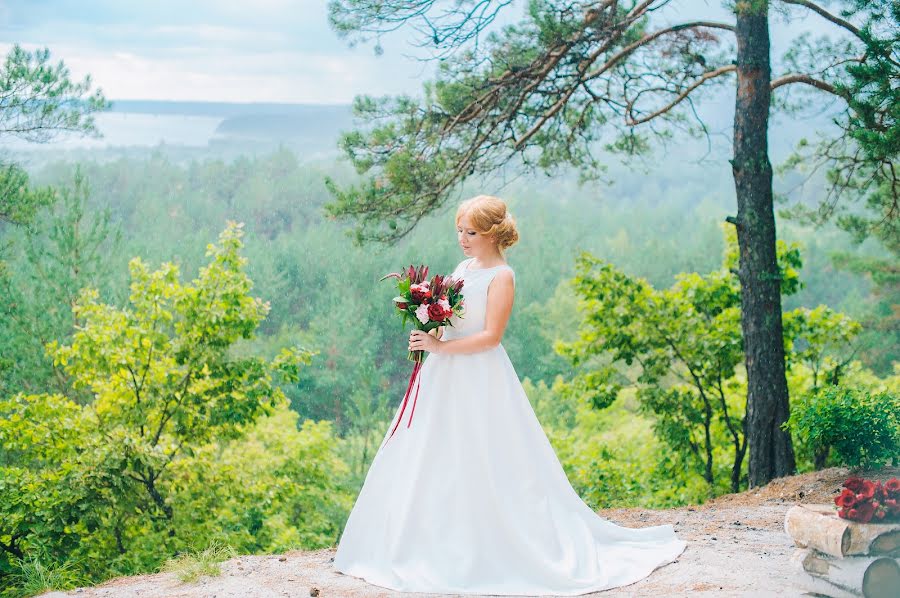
(572,79)
(38,101)
(164,381)
(65,250)
(861,165)
(681,349)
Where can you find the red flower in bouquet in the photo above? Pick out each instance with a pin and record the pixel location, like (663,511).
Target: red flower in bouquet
(846,499)
(854,484)
(867,491)
(864,511)
(440,311)
(428,303)
(420,292)
(869,501)
(880,492)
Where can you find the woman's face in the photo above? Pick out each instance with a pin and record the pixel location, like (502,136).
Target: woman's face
(473,243)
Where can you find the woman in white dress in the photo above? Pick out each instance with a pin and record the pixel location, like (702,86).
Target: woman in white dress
(468,496)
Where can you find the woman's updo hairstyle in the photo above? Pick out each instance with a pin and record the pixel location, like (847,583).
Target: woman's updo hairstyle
(489,216)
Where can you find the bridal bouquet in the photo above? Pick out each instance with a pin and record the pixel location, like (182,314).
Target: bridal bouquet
(867,501)
(428,304)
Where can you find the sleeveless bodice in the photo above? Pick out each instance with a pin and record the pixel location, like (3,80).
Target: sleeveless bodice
(474,291)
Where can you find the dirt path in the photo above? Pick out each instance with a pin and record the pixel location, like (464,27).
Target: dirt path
(736,547)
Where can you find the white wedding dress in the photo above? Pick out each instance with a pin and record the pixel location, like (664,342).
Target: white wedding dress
(470,497)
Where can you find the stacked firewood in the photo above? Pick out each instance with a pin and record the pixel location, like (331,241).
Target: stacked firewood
(843,558)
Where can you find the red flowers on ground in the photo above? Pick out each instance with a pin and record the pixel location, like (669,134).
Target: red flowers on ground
(869,501)
(847,499)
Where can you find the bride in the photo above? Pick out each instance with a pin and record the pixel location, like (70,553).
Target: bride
(469,497)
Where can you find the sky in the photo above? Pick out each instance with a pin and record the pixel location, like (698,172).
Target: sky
(232,50)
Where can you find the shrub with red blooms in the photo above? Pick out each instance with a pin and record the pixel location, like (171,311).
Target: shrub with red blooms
(869,502)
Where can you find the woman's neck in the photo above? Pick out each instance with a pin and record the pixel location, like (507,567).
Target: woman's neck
(487,261)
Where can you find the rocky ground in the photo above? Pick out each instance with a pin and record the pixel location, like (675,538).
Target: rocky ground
(736,547)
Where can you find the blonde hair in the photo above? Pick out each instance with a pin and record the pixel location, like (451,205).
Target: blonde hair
(489,216)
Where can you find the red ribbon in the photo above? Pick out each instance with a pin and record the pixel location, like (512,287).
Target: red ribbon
(412,378)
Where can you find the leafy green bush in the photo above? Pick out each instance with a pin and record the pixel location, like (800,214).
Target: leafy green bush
(861,426)
(184,441)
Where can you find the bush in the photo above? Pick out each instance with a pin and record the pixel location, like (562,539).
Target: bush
(862,427)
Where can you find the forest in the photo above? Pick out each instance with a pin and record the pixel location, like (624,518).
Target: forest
(196,350)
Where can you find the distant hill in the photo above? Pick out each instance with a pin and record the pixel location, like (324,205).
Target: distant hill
(227,109)
(227,129)
(253,127)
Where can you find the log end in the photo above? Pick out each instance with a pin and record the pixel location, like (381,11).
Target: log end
(882,579)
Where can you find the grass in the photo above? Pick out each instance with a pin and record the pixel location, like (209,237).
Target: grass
(191,566)
(36,577)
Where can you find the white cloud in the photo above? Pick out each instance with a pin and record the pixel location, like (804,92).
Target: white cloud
(235,50)
(198,73)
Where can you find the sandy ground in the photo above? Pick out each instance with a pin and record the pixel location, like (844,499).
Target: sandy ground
(736,547)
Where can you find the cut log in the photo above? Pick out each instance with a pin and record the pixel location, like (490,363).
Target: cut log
(869,576)
(816,586)
(819,527)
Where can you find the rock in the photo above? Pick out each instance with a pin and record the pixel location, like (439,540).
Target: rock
(314,591)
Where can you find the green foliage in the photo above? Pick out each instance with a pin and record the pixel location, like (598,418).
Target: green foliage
(276,488)
(681,349)
(862,427)
(548,93)
(821,339)
(40,100)
(18,201)
(861,164)
(176,424)
(63,251)
(611,456)
(685,343)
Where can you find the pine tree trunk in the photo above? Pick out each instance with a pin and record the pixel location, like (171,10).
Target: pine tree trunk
(771,452)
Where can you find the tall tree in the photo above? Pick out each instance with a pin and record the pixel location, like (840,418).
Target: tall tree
(63,251)
(38,101)
(862,164)
(568,81)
